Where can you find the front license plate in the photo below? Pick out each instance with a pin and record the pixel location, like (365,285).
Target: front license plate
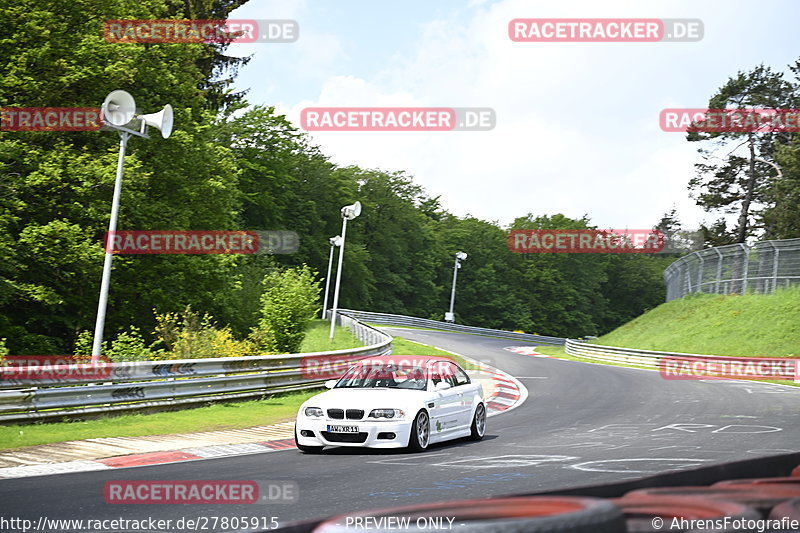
(342,429)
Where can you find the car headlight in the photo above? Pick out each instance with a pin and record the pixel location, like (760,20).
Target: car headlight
(313,411)
(387,413)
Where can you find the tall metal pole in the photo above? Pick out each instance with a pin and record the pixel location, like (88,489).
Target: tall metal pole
(328,280)
(460,256)
(338,278)
(112,227)
(453,291)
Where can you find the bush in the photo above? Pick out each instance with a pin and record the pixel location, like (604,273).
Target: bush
(188,336)
(83,347)
(129,346)
(288,305)
(184,335)
(263,339)
(3,351)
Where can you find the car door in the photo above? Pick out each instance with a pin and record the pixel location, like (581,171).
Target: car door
(447,403)
(466,396)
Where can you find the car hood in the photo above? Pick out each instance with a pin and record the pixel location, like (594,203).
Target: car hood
(368,398)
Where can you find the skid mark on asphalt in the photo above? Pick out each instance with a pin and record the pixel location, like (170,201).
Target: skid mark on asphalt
(755,387)
(453,484)
(410,460)
(638,466)
(506,461)
(579,445)
(520,463)
(771,451)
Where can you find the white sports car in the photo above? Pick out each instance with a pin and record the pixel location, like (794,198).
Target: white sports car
(393,402)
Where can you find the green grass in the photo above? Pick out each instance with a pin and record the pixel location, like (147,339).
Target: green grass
(757,325)
(752,325)
(215,417)
(407,347)
(318,338)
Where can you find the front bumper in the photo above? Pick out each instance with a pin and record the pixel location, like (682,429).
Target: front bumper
(369,430)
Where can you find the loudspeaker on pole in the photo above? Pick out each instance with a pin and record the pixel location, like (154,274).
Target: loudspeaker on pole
(162,120)
(118,108)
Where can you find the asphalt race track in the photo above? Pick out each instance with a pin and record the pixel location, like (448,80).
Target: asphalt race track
(581,424)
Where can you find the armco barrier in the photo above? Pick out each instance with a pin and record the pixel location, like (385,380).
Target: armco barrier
(410,321)
(613,354)
(645,358)
(149,384)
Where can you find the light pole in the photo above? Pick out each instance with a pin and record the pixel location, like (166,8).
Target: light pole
(349,212)
(450,317)
(335,241)
(118,109)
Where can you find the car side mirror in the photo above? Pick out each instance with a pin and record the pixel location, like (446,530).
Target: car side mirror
(442,385)
(331,383)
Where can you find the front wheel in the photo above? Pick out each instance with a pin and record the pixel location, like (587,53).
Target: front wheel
(420,432)
(303,448)
(478,423)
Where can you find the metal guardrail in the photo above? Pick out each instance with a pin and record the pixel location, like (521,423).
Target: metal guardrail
(149,384)
(614,354)
(645,358)
(409,321)
(736,268)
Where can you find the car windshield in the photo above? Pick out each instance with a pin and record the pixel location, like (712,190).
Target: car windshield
(384,375)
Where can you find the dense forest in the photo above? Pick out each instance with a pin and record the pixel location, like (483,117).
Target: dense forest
(231,165)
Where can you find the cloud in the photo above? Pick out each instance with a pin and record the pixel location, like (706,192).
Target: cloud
(577,123)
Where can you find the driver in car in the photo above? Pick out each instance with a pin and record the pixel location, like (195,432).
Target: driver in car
(384,378)
(416,380)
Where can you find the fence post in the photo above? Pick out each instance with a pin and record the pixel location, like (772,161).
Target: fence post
(775,261)
(746,252)
(688,278)
(700,272)
(719,270)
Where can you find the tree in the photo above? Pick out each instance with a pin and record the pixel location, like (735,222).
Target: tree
(56,187)
(669,222)
(228,166)
(399,249)
(288,305)
(781,215)
(735,184)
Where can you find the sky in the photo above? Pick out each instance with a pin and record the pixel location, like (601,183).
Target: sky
(577,128)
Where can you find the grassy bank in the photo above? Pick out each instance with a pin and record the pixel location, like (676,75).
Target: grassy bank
(318,338)
(754,325)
